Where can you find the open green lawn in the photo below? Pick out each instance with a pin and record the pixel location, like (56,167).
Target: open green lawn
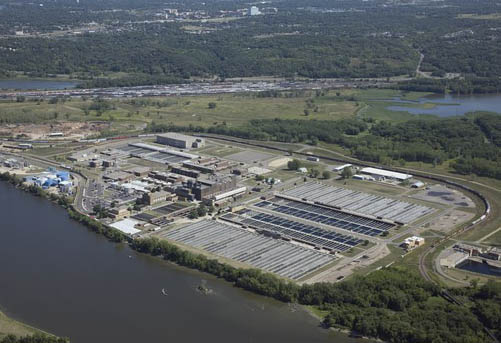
(379,94)
(495,239)
(378,110)
(232,109)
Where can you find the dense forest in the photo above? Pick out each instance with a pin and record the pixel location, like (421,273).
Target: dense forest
(472,143)
(316,39)
(467,85)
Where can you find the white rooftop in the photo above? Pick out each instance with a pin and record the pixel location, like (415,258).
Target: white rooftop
(126,226)
(386,173)
(414,239)
(175,135)
(339,168)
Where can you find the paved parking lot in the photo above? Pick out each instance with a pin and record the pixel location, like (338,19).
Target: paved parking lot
(249,156)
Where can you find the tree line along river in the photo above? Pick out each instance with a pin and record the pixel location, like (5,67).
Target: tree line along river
(58,276)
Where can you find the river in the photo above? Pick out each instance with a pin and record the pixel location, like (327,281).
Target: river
(450,105)
(22,84)
(58,276)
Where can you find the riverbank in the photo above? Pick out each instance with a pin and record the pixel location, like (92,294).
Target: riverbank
(361,297)
(23,333)
(83,281)
(9,326)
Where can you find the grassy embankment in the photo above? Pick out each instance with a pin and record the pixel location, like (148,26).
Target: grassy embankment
(9,326)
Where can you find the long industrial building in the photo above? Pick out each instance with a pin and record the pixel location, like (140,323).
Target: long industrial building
(293,230)
(155,153)
(359,202)
(327,216)
(180,141)
(273,255)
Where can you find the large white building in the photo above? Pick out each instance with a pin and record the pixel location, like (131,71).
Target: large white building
(254,10)
(381,174)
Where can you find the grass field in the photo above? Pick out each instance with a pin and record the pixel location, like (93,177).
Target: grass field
(233,109)
(495,239)
(490,16)
(10,326)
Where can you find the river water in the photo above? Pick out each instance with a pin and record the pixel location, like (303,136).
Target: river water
(58,276)
(450,105)
(35,84)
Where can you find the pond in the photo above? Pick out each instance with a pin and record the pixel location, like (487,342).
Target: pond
(478,267)
(449,105)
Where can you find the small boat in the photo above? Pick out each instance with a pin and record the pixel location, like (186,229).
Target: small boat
(202,288)
(164,292)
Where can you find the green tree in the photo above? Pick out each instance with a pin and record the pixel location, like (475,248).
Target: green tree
(259,177)
(326,174)
(193,214)
(314,173)
(201,210)
(295,164)
(347,173)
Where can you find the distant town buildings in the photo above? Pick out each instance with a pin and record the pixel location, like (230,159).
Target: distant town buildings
(254,10)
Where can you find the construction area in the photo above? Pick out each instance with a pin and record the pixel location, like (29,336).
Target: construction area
(68,130)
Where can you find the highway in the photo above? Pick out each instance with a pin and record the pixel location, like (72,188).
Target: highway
(202,88)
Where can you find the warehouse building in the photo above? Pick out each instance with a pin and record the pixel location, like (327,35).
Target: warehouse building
(139,171)
(180,141)
(119,212)
(155,197)
(412,242)
(381,174)
(339,169)
(185,172)
(453,258)
(203,190)
(209,165)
